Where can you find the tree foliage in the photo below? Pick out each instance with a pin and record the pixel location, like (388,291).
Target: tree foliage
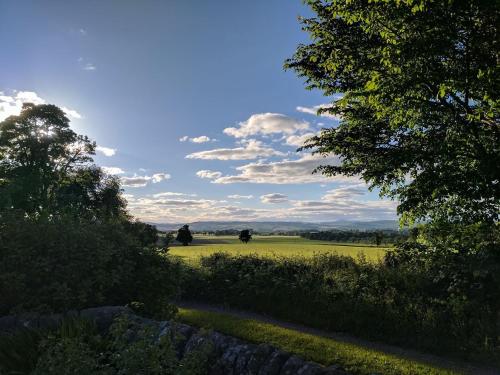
(66,240)
(245,236)
(46,168)
(184,235)
(419,103)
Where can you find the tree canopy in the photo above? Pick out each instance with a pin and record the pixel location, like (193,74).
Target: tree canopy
(245,236)
(46,168)
(184,235)
(416,87)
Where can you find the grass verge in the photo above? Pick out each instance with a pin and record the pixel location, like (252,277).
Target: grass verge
(326,351)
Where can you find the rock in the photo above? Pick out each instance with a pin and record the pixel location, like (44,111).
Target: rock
(104,316)
(244,356)
(310,368)
(292,366)
(274,364)
(9,323)
(50,321)
(258,358)
(334,370)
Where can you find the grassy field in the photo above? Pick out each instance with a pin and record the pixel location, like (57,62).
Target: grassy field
(271,246)
(356,359)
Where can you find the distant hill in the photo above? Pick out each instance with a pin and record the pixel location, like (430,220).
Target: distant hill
(281,226)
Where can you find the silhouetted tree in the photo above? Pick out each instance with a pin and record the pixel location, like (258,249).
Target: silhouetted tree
(245,236)
(379,236)
(184,235)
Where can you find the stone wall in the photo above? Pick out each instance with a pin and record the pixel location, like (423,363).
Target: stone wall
(231,356)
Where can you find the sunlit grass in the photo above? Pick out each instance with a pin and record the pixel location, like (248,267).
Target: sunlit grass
(326,351)
(270,246)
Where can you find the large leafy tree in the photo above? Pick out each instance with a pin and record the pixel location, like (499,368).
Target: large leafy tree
(46,168)
(420,100)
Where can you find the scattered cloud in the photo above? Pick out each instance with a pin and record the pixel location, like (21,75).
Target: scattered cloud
(180,209)
(89,67)
(158,177)
(274,198)
(314,111)
(252,149)
(266,124)
(172,194)
(237,196)
(208,174)
(200,139)
(11,105)
(106,151)
(141,181)
(82,31)
(298,140)
(298,171)
(113,170)
(345,192)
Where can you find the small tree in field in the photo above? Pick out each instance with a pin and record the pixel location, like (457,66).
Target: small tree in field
(379,236)
(245,236)
(184,235)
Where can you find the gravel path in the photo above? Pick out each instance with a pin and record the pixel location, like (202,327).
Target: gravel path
(456,365)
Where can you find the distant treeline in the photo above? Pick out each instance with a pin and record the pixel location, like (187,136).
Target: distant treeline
(380,236)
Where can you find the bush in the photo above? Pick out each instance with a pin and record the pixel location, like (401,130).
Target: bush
(411,304)
(66,263)
(78,348)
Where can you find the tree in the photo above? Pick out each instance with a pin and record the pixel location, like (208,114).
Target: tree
(245,236)
(46,168)
(419,103)
(184,235)
(379,236)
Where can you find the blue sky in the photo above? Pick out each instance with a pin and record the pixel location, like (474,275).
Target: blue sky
(188,102)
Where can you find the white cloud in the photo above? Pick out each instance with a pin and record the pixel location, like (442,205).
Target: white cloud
(266,124)
(297,171)
(172,194)
(178,209)
(11,105)
(345,192)
(200,139)
(141,181)
(314,111)
(89,67)
(208,174)
(237,196)
(253,149)
(113,170)
(106,151)
(274,198)
(298,140)
(82,31)
(158,177)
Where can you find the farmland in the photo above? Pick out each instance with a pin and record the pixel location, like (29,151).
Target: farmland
(273,246)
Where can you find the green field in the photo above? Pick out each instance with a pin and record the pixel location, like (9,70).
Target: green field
(273,246)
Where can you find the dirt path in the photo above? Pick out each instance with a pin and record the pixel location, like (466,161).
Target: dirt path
(456,365)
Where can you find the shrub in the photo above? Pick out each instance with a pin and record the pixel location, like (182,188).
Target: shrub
(412,304)
(67,263)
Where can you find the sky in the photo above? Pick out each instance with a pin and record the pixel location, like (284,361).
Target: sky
(188,103)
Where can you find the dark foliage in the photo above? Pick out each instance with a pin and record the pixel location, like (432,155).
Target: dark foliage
(184,235)
(446,305)
(386,236)
(245,236)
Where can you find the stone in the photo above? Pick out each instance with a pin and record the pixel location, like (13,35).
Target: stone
(258,358)
(104,316)
(292,366)
(276,361)
(334,370)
